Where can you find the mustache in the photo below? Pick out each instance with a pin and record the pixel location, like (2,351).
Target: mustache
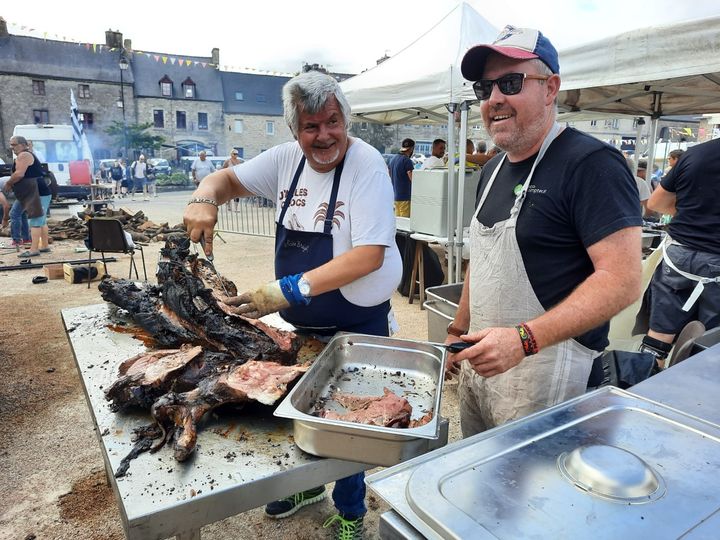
(320,146)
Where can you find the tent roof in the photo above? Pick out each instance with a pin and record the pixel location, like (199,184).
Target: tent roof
(414,85)
(655,71)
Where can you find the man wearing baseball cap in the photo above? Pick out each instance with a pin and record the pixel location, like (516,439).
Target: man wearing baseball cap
(554,243)
(401,169)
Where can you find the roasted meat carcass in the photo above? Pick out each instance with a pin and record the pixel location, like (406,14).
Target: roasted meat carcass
(184,308)
(178,414)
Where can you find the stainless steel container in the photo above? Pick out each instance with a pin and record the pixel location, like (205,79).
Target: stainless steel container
(441,306)
(608,464)
(364,365)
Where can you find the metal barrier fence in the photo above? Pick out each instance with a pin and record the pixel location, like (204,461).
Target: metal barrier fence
(253,216)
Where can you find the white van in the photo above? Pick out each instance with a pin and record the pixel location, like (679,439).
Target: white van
(54,144)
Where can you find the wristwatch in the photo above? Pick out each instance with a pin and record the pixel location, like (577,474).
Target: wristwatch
(304,287)
(455,331)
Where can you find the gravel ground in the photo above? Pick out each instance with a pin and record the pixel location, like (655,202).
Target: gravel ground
(51,469)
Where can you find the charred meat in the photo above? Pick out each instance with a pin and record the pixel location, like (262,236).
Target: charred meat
(179,414)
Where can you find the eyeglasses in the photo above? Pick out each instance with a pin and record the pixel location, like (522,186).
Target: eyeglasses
(509,84)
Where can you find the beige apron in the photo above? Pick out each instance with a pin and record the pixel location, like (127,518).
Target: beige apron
(501,296)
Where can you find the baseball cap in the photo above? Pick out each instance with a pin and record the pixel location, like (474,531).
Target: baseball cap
(512,42)
(234,153)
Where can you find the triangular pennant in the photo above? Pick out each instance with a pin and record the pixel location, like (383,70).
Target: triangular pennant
(203,64)
(148,55)
(94,49)
(164,59)
(172,60)
(157,57)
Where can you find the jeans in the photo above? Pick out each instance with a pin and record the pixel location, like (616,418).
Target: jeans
(19,228)
(349,496)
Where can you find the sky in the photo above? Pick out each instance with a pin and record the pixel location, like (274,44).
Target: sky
(347,37)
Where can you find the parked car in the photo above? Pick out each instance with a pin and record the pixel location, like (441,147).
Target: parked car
(160,166)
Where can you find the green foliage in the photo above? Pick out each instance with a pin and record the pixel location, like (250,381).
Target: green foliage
(138,139)
(174,179)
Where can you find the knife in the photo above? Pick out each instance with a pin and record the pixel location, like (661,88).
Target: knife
(453,347)
(210,258)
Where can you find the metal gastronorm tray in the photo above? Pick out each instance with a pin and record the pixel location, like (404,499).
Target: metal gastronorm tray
(365,365)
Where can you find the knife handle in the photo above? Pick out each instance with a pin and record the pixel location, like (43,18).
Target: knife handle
(459,346)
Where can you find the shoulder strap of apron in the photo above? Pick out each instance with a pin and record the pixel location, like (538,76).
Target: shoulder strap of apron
(330,213)
(293,185)
(549,138)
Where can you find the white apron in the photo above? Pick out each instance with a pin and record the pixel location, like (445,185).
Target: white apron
(501,296)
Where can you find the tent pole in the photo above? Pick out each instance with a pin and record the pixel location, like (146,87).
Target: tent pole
(461,190)
(652,137)
(451,193)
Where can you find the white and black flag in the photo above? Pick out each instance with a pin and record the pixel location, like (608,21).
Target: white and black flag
(78,132)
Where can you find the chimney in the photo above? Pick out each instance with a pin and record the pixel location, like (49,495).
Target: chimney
(127,44)
(3,28)
(216,56)
(113,39)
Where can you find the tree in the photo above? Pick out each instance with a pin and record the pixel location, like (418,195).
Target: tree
(135,137)
(376,135)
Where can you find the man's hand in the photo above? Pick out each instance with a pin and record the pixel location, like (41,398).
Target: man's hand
(200,219)
(267,299)
(452,368)
(496,351)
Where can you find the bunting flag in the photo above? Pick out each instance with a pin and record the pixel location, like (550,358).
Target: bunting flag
(98,48)
(78,133)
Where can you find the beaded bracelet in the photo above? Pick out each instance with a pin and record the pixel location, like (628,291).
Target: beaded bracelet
(204,200)
(528,339)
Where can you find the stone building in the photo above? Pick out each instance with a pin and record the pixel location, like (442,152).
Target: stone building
(36,76)
(253,112)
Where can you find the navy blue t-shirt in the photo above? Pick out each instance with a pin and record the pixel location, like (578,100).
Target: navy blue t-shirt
(581,192)
(695,180)
(399,166)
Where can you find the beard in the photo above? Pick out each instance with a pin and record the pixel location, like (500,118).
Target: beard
(325,159)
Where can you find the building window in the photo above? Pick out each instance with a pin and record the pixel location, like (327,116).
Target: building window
(593,123)
(238,126)
(180,120)
(158,118)
(363,126)
(202,120)
(260,98)
(239,96)
(41,116)
(38,88)
(166,86)
(240,151)
(84,91)
(188,88)
(613,123)
(86,119)
(270,127)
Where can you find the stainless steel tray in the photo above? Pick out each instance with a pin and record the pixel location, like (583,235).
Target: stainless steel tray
(365,365)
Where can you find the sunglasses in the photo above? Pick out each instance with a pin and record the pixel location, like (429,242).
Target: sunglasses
(509,84)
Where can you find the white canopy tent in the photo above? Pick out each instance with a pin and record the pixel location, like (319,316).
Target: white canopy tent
(423,84)
(655,71)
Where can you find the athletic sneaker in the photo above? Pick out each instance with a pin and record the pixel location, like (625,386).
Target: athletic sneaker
(289,505)
(345,529)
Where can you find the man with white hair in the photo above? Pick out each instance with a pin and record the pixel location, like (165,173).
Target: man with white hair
(201,167)
(336,261)
(554,243)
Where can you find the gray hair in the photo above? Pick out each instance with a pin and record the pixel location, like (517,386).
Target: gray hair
(543,69)
(309,92)
(19,139)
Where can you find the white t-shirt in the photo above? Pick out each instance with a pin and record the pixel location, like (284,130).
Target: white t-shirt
(202,168)
(139,169)
(643,189)
(432,163)
(363,212)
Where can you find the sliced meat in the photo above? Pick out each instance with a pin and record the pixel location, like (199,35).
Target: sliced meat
(388,410)
(179,414)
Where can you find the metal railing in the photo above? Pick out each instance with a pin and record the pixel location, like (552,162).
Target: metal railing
(254,216)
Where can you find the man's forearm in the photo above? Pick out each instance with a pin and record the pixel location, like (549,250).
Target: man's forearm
(462,315)
(221,186)
(599,298)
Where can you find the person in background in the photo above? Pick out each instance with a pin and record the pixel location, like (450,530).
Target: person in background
(127,183)
(336,260)
(103,173)
(19,228)
(27,166)
(401,170)
(116,175)
(436,160)
(673,158)
(4,211)
(686,285)
(642,186)
(201,167)
(138,170)
(231,162)
(547,271)
(150,182)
